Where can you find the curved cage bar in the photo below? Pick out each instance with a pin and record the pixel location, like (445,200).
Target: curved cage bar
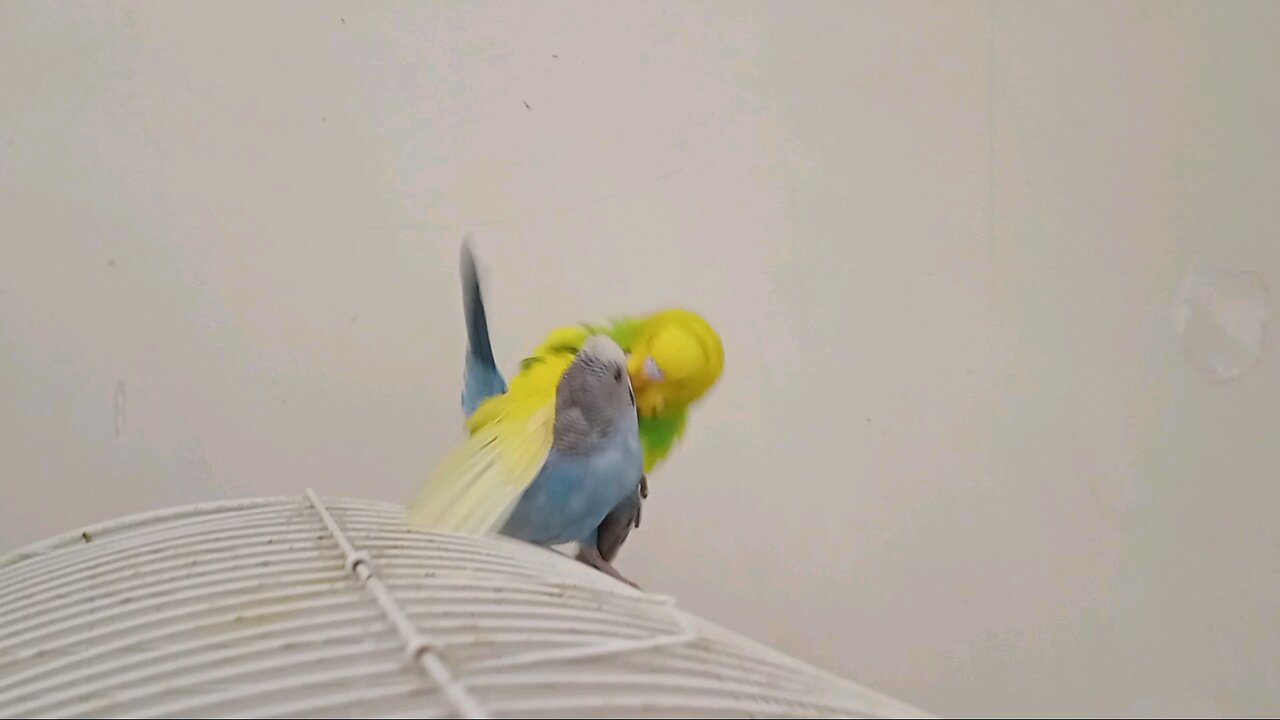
(302,607)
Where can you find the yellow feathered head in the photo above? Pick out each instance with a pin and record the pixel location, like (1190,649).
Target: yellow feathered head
(676,357)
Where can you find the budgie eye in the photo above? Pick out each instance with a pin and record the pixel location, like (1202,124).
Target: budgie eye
(651,369)
(617,374)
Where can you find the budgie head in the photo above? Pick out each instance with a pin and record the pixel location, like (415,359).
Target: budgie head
(593,394)
(676,356)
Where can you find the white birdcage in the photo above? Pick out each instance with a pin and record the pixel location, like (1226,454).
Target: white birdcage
(294,607)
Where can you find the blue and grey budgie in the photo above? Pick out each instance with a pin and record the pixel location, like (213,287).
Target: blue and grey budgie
(549,457)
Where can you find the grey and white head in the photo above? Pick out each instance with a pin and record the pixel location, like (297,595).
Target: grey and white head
(601,350)
(595,391)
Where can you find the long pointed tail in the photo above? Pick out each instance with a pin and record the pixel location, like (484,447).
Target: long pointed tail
(482,378)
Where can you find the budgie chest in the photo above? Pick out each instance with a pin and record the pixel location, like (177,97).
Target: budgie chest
(573,492)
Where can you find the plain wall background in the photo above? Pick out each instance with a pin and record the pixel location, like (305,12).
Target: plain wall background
(961,452)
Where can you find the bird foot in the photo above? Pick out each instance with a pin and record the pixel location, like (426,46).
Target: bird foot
(592,557)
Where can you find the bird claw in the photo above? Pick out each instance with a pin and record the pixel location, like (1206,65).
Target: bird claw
(592,557)
(644,494)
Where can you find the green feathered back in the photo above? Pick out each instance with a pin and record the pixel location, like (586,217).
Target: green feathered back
(658,435)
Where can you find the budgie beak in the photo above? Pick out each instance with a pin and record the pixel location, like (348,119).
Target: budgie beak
(646,382)
(635,368)
(643,370)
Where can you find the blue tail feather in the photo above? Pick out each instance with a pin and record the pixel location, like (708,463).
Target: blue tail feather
(481,379)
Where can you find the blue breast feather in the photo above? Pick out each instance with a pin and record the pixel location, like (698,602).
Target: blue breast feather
(573,493)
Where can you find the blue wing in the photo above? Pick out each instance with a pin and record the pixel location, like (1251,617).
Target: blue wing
(481,379)
(574,492)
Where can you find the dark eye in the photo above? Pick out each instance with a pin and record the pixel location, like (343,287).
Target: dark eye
(617,374)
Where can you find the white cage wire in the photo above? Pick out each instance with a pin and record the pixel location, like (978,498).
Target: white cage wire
(298,607)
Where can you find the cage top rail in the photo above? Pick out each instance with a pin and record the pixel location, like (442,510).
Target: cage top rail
(417,647)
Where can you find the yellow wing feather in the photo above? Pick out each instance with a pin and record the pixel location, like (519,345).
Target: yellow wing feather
(569,338)
(477,486)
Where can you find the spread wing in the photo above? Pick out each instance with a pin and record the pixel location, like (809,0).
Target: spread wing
(476,487)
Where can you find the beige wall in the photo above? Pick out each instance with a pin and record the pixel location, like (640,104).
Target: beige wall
(998,430)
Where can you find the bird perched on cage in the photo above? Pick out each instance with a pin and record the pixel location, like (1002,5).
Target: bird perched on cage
(546,460)
(674,358)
